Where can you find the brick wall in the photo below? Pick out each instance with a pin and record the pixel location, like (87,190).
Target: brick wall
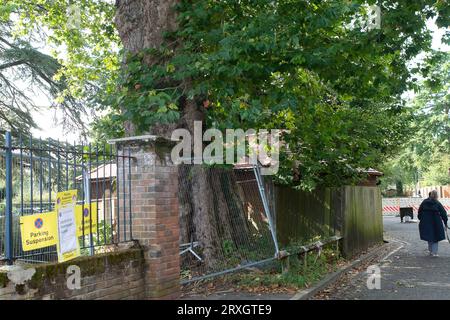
(155,224)
(110,276)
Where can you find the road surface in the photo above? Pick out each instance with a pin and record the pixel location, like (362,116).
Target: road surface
(407,272)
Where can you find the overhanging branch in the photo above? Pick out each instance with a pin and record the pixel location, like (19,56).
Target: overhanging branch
(12,64)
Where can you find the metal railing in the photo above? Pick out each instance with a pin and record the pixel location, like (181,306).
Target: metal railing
(32,171)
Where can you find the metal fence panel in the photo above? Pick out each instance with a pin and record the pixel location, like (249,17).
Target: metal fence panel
(39,169)
(228,228)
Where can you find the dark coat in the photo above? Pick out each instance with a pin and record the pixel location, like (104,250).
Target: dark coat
(431,215)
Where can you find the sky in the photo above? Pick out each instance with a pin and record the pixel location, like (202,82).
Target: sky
(49,120)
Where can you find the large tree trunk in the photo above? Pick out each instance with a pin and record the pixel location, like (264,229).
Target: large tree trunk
(141,25)
(203,217)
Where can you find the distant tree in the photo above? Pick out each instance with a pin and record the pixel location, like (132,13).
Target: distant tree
(433,101)
(438,173)
(23,70)
(69,73)
(426,153)
(398,172)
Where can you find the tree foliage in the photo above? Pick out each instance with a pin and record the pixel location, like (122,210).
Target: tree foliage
(25,72)
(311,67)
(425,156)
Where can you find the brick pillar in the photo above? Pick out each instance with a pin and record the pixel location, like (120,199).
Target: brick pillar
(155,214)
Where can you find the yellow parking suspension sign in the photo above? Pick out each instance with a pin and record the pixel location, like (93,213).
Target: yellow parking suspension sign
(88,213)
(40,230)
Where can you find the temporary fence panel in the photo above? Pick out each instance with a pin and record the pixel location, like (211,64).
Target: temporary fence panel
(225,219)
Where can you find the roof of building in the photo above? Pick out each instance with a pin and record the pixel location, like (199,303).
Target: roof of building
(104,171)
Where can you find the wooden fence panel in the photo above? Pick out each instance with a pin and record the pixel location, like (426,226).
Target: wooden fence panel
(353,212)
(302,216)
(362,219)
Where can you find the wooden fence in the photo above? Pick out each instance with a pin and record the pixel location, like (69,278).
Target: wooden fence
(362,218)
(353,212)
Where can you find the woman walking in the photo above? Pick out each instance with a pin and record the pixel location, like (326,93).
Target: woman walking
(433,217)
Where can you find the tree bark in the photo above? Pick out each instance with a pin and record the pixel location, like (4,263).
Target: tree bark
(203,217)
(142,23)
(187,228)
(222,209)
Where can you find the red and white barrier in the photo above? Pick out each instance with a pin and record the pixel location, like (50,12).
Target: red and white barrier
(391,206)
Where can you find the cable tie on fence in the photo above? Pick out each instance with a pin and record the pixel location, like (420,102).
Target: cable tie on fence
(319,246)
(282,254)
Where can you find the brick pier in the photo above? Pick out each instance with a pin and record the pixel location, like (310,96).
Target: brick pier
(154,204)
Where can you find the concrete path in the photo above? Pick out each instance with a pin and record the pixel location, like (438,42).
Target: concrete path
(406,271)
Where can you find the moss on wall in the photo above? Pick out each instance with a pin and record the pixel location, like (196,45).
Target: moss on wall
(90,265)
(3,279)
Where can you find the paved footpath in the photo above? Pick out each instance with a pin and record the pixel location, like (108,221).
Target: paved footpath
(406,271)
